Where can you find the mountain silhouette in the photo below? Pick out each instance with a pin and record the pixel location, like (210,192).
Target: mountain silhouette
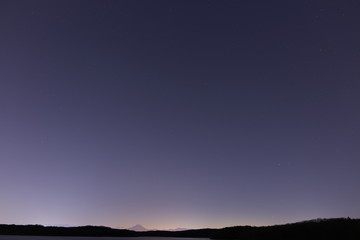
(138,228)
(177,229)
(329,229)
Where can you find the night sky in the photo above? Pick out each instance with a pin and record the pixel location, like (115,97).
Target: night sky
(179,113)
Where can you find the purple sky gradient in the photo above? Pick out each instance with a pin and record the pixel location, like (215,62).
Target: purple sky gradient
(179,113)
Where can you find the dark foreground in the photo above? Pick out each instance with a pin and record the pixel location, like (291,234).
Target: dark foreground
(327,229)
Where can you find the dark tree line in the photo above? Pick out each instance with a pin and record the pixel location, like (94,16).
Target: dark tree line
(38,230)
(327,229)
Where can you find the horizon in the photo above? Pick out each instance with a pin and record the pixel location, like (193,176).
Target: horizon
(191,114)
(315,229)
(182,228)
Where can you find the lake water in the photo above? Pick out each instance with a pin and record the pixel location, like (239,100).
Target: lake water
(10,237)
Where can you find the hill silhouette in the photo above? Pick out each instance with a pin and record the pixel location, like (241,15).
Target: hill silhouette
(327,229)
(39,230)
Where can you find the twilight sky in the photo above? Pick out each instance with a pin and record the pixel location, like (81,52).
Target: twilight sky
(179,113)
